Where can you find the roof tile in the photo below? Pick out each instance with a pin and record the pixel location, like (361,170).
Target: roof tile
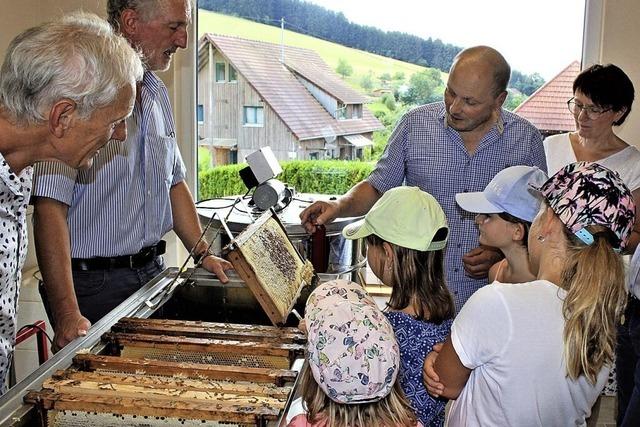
(277,84)
(546,108)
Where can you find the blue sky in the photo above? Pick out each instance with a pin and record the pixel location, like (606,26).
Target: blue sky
(541,36)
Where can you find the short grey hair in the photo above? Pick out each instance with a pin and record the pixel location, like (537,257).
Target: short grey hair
(148,9)
(79,57)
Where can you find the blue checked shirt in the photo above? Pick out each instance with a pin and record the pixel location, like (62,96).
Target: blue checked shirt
(121,204)
(424,152)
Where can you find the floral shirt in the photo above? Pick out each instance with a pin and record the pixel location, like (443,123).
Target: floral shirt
(14,196)
(416,339)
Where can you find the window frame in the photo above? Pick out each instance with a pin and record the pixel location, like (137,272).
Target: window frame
(218,77)
(258,116)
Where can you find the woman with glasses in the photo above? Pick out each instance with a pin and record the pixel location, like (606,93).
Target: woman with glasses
(602,99)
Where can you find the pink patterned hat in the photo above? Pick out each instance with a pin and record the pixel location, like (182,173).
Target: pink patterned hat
(352,349)
(584,194)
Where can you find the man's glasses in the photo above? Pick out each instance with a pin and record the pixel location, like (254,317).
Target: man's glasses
(593,113)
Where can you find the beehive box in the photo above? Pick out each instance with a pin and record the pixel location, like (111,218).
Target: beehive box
(166,373)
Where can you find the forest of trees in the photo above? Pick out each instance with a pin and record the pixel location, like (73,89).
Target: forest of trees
(319,22)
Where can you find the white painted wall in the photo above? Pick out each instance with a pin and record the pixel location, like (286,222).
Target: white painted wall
(611,36)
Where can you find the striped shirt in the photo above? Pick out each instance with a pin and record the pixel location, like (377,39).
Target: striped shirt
(424,152)
(121,204)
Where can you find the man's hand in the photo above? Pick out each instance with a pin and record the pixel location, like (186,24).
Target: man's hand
(478,261)
(68,328)
(217,266)
(318,213)
(429,376)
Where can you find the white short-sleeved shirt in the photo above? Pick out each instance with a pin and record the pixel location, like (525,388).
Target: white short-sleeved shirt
(559,153)
(510,335)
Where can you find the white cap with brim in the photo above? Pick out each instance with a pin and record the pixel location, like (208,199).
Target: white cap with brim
(405,216)
(509,191)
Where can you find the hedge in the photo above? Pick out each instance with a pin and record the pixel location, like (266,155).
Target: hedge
(306,176)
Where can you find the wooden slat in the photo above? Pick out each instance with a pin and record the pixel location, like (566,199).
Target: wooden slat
(92,362)
(160,394)
(210,330)
(168,342)
(164,383)
(246,272)
(144,406)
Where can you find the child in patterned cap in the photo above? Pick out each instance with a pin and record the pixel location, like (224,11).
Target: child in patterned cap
(539,353)
(406,232)
(353,363)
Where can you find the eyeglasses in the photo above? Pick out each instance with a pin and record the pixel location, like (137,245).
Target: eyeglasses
(593,113)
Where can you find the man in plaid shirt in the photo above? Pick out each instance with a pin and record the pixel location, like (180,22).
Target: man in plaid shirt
(450,147)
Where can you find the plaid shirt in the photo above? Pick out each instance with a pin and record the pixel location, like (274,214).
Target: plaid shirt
(424,152)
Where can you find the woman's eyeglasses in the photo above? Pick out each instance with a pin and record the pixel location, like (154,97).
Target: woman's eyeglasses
(592,113)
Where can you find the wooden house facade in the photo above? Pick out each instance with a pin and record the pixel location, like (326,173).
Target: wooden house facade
(253,94)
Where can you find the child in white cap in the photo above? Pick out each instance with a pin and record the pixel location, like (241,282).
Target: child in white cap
(539,353)
(406,232)
(353,363)
(505,210)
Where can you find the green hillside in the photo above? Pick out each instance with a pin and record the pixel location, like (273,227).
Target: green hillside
(363,63)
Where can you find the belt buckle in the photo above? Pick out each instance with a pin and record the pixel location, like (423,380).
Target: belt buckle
(131,263)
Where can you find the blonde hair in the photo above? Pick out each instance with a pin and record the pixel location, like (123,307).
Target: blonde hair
(392,410)
(593,277)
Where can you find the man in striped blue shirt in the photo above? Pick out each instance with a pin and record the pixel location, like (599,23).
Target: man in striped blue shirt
(98,231)
(450,147)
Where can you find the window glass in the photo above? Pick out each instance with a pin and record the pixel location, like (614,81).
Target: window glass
(253,116)
(233,77)
(220,71)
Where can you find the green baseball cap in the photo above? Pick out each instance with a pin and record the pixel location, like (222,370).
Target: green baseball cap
(404,216)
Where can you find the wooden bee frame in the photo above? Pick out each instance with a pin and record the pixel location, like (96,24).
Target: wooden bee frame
(269,264)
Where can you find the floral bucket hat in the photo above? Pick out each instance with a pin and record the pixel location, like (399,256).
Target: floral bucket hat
(586,193)
(352,350)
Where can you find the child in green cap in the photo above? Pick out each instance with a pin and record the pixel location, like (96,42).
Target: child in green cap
(406,232)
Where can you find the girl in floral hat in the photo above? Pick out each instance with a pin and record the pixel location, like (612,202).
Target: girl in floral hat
(539,353)
(353,362)
(406,232)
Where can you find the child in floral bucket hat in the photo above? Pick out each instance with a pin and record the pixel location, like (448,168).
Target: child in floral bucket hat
(353,361)
(539,353)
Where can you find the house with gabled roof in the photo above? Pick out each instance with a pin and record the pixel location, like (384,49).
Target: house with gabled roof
(253,94)
(547,108)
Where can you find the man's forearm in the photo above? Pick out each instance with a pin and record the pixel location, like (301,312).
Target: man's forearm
(53,250)
(358,200)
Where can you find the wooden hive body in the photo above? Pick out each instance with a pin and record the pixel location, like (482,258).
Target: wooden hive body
(132,386)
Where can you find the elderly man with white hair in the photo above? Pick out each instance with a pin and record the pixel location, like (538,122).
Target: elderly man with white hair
(103,237)
(66,89)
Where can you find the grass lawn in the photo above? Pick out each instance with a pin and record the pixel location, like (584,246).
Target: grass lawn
(362,62)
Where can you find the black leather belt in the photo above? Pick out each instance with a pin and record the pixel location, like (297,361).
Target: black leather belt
(125,261)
